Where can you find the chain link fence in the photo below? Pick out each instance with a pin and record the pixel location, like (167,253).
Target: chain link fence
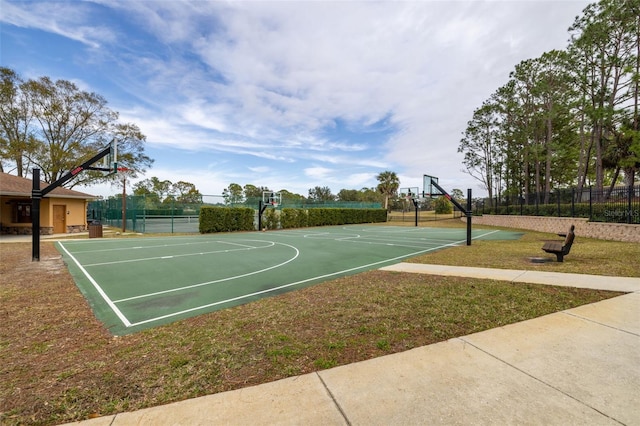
(146,214)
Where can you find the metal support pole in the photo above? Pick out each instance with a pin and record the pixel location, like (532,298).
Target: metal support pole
(469,214)
(466,211)
(124,208)
(261,209)
(629,198)
(36,196)
(415,204)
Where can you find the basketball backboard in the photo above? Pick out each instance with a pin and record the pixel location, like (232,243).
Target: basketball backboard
(113,154)
(109,164)
(410,193)
(271,198)
(429,190)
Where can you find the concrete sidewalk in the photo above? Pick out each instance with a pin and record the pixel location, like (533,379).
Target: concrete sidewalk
(4,238)
(580,366)
(596,282)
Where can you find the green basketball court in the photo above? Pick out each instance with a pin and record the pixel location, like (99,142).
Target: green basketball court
(137,283)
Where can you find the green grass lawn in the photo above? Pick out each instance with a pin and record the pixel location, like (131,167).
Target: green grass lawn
(587,256)
(61,365)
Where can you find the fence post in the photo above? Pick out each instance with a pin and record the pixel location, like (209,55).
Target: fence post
(521,199)
(629,192)
(590,202)
(573,202)
(124,209)
(172,213)
(558,202)
(144,213)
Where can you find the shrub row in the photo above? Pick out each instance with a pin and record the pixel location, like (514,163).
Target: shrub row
(300,218)
(226,219)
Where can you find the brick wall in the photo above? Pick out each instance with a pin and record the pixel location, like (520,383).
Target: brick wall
(555,225)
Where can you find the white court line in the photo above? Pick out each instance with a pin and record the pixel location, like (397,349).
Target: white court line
(380,238)
(173,256)
(396,244)
(245,296)
(157,246)
(426,235)
(112,305)
(215,281)
(401,229)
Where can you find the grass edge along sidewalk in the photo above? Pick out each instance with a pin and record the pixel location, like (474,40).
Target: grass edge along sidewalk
(61,365)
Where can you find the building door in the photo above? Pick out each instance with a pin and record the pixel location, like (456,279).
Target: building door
(59,219)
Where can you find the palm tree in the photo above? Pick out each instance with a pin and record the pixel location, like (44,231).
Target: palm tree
(388,185)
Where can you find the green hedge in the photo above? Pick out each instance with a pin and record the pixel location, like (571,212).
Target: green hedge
(270,219)
(226,219)
(294,218)
(301,218)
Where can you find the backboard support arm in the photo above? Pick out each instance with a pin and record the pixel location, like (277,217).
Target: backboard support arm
(467,211)
(37,194)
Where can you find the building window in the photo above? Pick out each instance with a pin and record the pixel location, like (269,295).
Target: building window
(22,213)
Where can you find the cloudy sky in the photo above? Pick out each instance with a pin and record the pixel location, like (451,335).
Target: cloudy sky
(288,94)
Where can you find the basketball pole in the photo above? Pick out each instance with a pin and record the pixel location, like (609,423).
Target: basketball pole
(37,194)
(467,211)
(124,204)
(260,211)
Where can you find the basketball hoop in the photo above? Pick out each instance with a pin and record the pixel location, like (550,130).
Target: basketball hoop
(270,198)
(409,194)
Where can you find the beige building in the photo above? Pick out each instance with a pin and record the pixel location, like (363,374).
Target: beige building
(61,211)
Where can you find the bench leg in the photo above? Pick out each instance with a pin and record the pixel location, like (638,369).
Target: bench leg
(560,257)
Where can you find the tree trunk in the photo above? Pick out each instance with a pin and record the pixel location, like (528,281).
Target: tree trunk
(583,159)
(613,183)
(548,140)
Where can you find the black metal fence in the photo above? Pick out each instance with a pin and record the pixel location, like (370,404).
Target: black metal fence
(617,205)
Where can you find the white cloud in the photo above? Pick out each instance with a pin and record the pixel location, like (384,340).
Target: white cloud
(249,82)
(58,18)
(318,172)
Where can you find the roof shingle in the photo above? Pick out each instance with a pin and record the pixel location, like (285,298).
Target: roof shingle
(19,186)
